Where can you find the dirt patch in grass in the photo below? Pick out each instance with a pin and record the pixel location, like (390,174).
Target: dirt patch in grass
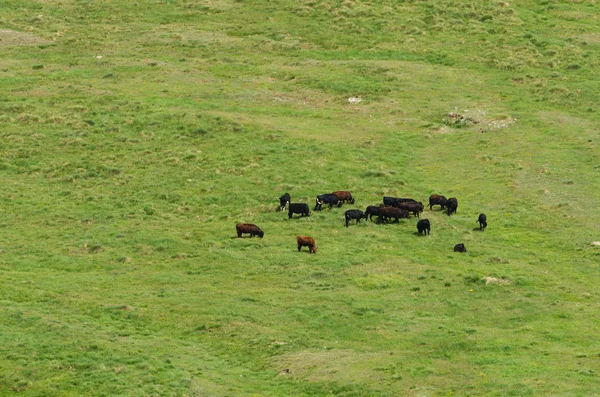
(476,118)
(10,38)
(328,365)
(494,280)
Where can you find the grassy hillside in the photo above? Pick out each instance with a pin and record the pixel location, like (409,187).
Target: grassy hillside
(135,135)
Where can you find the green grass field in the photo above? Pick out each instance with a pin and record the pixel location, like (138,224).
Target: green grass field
(135,135)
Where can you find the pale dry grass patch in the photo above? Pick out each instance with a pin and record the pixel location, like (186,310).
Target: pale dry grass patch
(10,38)
(332,365)
(495,280)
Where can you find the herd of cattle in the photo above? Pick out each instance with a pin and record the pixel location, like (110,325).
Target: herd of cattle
(392,208)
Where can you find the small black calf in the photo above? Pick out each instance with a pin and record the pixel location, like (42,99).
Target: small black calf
(460,248)
(283,201)
(452,205)
(482,221)
(354,214)
(424,227)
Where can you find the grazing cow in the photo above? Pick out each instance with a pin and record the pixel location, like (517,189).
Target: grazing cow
(482,221)
(410,206)
(452,205)
(305,241)
(460,248)
(436,199)
(344,196)
(424,227)
(372,210)
(283,201)
(298,208)
(248,228)
(388,212)
(354,214)
(327,199)
(394,201)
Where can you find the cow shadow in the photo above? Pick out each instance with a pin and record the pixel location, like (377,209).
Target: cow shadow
(476,229)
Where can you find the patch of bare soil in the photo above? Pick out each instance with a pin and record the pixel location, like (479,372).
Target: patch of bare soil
(494,280)
(11,38)
(474,117)
(336,365)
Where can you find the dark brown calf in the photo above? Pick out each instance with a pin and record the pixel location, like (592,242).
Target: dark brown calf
(305,241)
(387,212)
(343,196)
(415,208)
(452,205)
(436,199)
(248,228)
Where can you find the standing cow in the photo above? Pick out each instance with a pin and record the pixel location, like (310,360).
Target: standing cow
(372,210)
(306,241)
(482,221)
(283,201)
(394,201)
(298,208)
(354,214)
(436,199)
(387,212)
(344,196)
(424,227)
(411,206)
(327,199)
(248,228)
(452,205)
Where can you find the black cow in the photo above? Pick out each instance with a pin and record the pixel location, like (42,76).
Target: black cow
(387,212)
(354,214)
(411,206)
(436,199)
(283,201)
(372,210)
(424,227)
(327,199)
(460,248)
(452,205)
(298,208)
(394,201)
(482,221)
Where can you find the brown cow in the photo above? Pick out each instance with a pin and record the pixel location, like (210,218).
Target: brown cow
(305,241)
(436,199)
(253,230)
(415,208)
(343,196)
(387,212)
